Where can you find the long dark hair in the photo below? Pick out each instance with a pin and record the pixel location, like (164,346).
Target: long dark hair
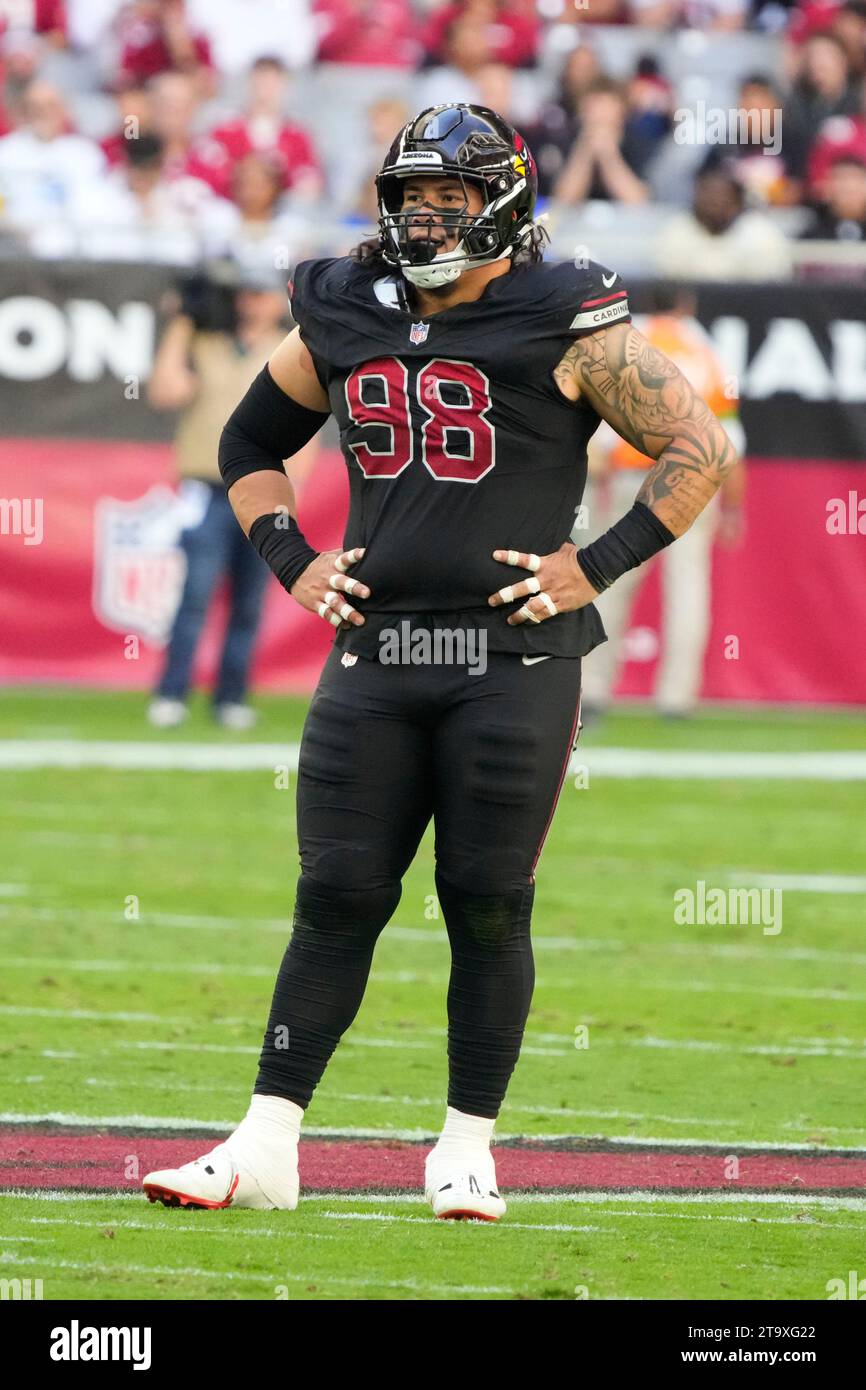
(369,252)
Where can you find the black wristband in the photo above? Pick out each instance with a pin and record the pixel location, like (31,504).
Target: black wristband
(281,544)
(635,538)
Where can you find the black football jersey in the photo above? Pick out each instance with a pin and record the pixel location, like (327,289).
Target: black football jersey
(457,439)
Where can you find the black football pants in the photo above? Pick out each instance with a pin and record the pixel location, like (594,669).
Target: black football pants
(384,749)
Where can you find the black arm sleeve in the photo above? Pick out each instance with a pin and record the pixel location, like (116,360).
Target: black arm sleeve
(265,428)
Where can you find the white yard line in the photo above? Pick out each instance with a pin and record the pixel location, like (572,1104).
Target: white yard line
(508,1225)
(425,1221)
(820,1049)
(815,1047)
(200,1229)
(829,766)
(146,1122)
(769,950)
(635,1195)
(274,1280)
(134,967)
(239,1090)
(646,1196)
(65,1194)
(403,977)
(839,996)
(801,883)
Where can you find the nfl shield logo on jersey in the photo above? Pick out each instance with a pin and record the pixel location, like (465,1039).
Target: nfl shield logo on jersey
(418,333)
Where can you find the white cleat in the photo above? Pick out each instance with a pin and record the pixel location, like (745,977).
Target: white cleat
(463,1189)
(166,714)
(235,716)
(216,1181)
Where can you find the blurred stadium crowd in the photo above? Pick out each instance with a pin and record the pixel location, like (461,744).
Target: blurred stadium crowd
(724,139)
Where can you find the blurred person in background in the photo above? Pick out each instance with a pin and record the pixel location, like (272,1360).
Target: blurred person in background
(618,471)
(767,175)
(714,16)
(849,25)
(810,17)
(267,234)
(823,87)
(553,132)
(466,51)
(372,33)
(842,216)
(607,158)
(564,16)
(650,101)
(719,239)
(89,25)
(473,73)
(511,31)
(20,52)
(134,118)
(211,349)
(44,167)
(174,107)
(137,213)
(185,164)
(495,84)
(46,18)
(841,135)
(384,116)
(239,31)
(263,128)
(155,36)
(846,22)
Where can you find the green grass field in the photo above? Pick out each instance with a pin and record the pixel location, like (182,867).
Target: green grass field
(138,955)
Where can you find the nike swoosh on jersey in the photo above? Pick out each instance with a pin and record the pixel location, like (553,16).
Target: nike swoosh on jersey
(607,283)
(531,660)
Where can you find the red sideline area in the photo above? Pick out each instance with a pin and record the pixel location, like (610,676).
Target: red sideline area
(109,576)
(34,1159)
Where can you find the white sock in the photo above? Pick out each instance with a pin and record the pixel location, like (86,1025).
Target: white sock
(462,1133)
(269,1132)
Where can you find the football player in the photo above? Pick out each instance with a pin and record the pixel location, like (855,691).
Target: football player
(466,375)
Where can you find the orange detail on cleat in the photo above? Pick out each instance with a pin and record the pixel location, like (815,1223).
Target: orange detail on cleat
(182,1199)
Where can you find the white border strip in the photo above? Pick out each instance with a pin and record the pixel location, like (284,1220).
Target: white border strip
(349,1132)
(829,766)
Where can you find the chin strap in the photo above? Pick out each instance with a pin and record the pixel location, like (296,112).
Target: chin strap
(431,276)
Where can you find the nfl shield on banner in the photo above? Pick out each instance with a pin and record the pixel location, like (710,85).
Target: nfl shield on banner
(138,570)
(418,333)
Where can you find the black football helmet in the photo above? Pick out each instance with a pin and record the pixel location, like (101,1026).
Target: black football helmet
(473,145)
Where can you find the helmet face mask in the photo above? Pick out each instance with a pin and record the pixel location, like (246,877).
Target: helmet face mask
(469,145)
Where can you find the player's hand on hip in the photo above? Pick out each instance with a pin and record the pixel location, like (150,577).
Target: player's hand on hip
(324,584)
(556,584)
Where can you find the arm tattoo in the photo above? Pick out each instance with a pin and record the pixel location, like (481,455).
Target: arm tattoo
(648,401)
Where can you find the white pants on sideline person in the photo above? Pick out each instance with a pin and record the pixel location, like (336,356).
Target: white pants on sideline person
(686,600)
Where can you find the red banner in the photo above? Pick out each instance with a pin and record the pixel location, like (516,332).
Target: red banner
(792,594)
(89,574)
